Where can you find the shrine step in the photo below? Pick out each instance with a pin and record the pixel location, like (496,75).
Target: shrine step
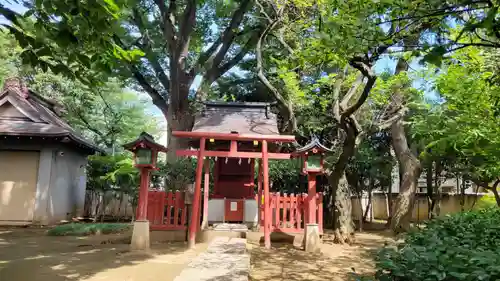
(225,260)
(230,227)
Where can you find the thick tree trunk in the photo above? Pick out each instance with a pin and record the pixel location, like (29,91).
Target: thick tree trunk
(178,120)
(409,165)
(411,170)
(394,185)
(343,225)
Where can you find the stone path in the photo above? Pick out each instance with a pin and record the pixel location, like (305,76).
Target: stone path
(224,260)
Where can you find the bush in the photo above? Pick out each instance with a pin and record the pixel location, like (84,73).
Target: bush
(465,246)
(486,201)
(82,229)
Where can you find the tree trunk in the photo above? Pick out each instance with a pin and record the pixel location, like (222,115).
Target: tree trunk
(395,182)
(461,188)
(180,121)
(119,207)
(430,189)
(411,170)
(361,215)
(497,196)
(98,207)
(368,206)
(409,164)
(436,202)
(343,225)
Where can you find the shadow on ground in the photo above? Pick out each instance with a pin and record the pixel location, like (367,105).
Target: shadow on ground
(335,262)
(28,254)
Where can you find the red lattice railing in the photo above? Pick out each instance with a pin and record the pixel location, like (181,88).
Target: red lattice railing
(166,210)
(289,212)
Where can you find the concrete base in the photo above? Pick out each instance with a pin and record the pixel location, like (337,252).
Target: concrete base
(165,236)
(140,236)
(312,240)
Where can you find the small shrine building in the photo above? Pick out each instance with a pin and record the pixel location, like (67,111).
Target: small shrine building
(240,139)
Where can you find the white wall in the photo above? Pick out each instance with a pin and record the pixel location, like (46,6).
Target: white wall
(43,186)
(251,212)
(68,183)
(60,190)
(216,211)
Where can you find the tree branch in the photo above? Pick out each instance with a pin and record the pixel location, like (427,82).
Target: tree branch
(352,91)
(168,22)
(397,116)
(230,32)
(209,54)
(157,98)
(150,55)
(280,35)
(214,73)
(336,94)
(367,72)
(284,105)
(186,28)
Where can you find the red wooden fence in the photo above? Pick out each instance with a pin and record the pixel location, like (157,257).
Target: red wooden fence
(166,210)
(289,212)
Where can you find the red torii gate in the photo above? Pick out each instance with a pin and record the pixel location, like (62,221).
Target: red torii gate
(233,152)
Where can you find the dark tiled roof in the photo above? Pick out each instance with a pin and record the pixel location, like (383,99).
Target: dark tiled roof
(237,117)
(146,138)
(40,119)
(314,143)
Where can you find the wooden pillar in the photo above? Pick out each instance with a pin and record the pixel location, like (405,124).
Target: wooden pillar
(259,193)
(311,198)
(193,226)
(267,199)
(142,204)
(206,188)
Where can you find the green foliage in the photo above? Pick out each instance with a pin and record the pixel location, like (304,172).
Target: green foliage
(138,41)
(9,50)
(485,202)
(459,247)
(104,113)
(372,164)
(285,176)
(112,172)
(84,229)
(179,173)
(465,126)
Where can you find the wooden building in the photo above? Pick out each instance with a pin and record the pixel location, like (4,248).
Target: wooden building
(42,160)
(233,196)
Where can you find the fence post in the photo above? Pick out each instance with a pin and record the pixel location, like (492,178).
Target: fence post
(278,207)
(320,211)
(293,211)
(176,208)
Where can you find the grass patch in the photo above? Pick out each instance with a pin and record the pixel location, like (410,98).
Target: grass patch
(81,229)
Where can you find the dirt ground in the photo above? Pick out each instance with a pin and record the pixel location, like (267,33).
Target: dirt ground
(285,262)
(28,254)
